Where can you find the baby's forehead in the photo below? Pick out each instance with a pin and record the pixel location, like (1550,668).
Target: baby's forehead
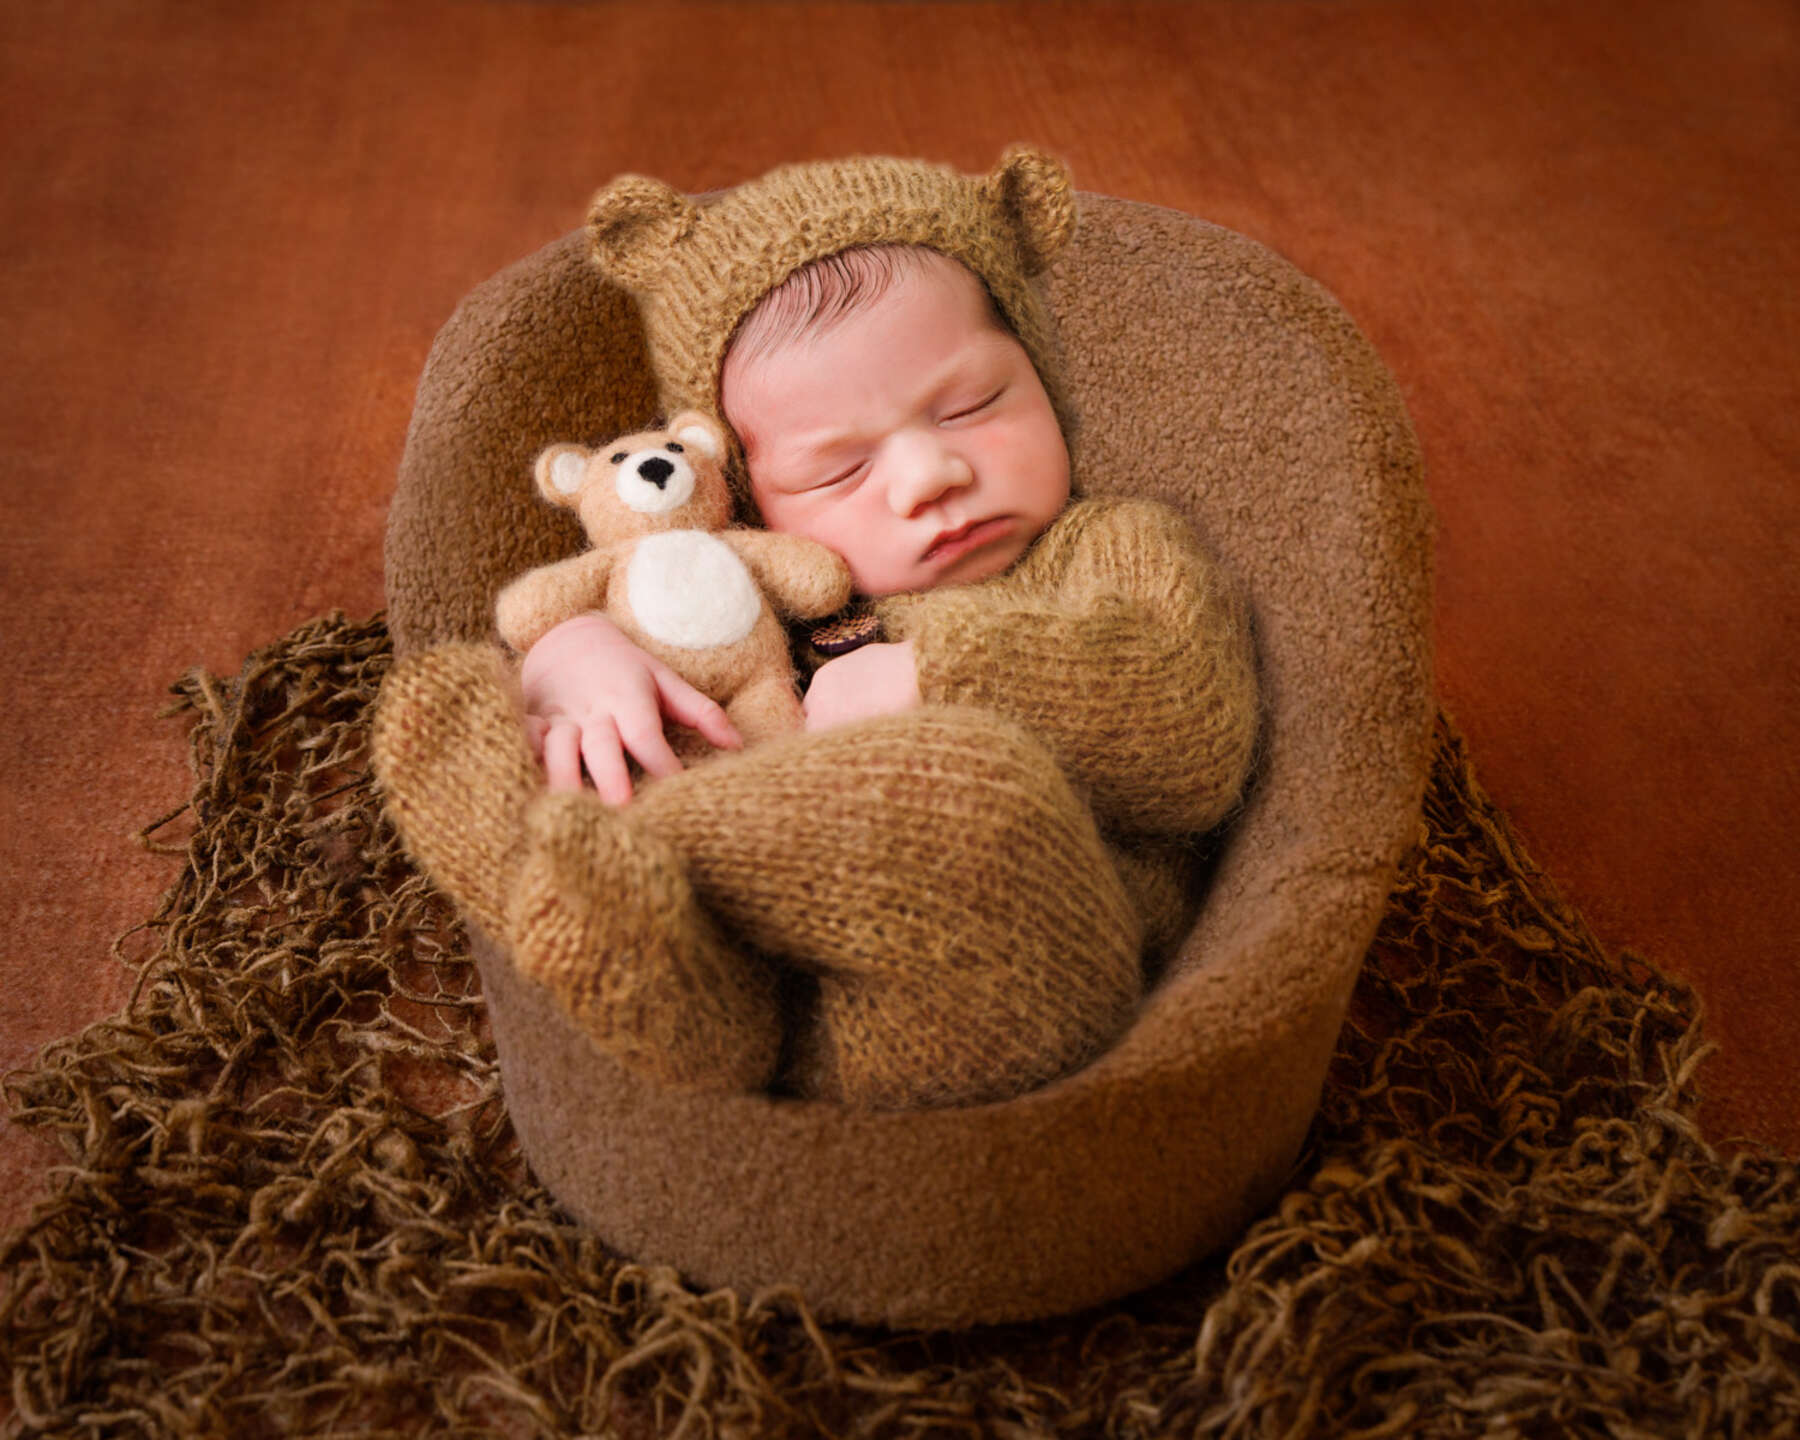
(822,294)
(851,300)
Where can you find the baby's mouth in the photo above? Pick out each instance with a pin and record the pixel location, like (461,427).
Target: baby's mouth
(952,543)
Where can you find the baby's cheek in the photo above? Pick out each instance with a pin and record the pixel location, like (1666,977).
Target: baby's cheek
(871,578)
(862,533)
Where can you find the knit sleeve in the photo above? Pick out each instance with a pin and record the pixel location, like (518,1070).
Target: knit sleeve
(1121,646)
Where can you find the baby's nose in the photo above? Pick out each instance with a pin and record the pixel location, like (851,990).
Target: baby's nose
(924,469)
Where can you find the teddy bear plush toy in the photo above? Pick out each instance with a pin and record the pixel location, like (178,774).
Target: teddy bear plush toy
(669,569)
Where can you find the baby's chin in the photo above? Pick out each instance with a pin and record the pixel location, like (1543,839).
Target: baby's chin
(971,569)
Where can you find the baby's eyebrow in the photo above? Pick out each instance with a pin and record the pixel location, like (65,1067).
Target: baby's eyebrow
(814,444)
(821,441)
(786,461)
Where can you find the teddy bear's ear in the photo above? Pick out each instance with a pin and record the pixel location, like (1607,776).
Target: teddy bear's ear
(1035,195)
(701,432)
(633,224)
(561,471)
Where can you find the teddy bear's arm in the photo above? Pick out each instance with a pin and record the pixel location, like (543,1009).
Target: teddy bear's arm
(801,577)
(1120,645)
(541,599)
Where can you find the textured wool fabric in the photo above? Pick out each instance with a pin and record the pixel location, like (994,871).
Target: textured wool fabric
(697,269)
(1241,396)
(443,722)
(1150,707)
(935,872)
(816,850)
(465,794)
(603,916)
(832,851)
(970,935)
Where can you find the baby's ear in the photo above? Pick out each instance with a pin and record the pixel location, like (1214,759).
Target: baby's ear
(702,432)
(633,224)
(1035,194)
(561,471)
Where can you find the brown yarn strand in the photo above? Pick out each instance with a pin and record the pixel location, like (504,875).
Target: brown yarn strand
(293,1203)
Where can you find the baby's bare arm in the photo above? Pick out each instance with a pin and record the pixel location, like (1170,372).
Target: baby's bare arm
(881,679)
(592,698)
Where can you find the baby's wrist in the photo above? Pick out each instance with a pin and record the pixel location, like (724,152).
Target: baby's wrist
(580,634)
(578,631)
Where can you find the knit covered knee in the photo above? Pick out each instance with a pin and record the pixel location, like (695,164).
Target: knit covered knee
(451,756)
(937,872)
(602,914)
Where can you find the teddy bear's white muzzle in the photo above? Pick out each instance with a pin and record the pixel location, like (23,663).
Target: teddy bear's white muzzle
(654,482)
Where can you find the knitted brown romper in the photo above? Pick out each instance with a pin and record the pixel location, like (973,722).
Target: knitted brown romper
(970,886)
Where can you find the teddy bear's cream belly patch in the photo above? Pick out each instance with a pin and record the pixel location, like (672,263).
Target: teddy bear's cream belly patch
(689,588)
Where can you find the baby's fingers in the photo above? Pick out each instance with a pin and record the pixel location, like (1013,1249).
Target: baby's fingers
(681,701)
(603,751)
(560,747)
(648,745)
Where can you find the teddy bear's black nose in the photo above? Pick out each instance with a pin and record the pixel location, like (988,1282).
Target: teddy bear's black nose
(656,470)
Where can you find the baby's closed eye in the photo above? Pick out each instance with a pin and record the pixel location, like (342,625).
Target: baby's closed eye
(974,407)
(844,475)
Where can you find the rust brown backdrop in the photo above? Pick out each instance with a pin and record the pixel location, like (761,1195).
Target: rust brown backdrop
(230,233)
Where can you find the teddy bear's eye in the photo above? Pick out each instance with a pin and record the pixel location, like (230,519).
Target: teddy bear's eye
(674,445)
(617,459)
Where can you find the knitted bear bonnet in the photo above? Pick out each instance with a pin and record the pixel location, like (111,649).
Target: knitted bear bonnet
(697,269)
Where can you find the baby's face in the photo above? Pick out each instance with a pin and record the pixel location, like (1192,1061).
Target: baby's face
(911,435)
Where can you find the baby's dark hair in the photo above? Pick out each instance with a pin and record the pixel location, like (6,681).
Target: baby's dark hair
(825,290)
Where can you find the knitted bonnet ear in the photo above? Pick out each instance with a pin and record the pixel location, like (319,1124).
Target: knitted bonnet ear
(1033,191)
(634,224)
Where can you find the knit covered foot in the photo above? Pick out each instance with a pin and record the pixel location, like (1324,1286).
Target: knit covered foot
(1164,880)
(457,772)
(603,916)
(971,936)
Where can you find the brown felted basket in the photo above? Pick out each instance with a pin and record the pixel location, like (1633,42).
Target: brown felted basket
(1206,373)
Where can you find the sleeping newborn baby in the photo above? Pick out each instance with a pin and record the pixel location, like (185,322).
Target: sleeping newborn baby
(885,411)
(943,891)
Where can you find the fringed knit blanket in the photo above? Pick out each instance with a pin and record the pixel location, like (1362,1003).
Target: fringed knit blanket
(293,1205)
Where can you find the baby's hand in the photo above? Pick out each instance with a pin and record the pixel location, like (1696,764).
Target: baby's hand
(877,679)
(592,697)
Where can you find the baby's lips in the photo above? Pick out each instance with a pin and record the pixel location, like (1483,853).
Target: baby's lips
(976,532)
(949,537)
